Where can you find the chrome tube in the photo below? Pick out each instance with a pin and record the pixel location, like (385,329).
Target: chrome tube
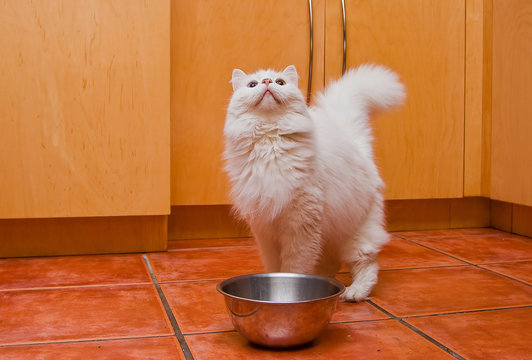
(309,89)
(345,38)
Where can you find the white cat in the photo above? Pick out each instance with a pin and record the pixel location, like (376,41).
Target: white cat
(304,178)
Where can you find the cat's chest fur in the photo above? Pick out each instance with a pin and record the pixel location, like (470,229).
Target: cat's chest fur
(268,159)
(277,148)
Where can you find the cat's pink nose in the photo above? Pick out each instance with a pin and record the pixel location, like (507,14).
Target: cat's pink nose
(267,81)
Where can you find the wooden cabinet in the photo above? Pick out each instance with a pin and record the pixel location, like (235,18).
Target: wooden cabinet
(210,39)
(111,110)
(511,130)
(84,108)
(419,147)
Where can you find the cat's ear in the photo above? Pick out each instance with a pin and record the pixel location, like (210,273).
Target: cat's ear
(291,74)
(238,79)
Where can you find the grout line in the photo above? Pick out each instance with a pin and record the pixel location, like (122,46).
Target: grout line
(58,342)
(212,238)
(465,261)
(432,340)
(177,331)
(501,275)
(468,312)
(419,267)
(505,262)
(425,267)
(189,281)
(359,321)
(213,248)
(210,332)
(417,331)
(59,287)
(482,266)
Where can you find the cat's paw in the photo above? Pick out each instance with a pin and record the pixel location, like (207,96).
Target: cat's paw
(356,293)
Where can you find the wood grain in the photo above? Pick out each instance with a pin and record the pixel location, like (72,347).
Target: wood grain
(511,147)
(333,40)
(487,85)
(84,108)
(421,214)
(522,220)
(474,87)
(76,236)
(470,212)
(216,221)
(205,222)
(419,148)
(501,215)
(478,98)
(209,39)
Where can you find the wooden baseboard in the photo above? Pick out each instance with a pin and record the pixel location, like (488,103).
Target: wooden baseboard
(76,236)
(202,222)
(522,220)
(429,214)
(511,217)
(501,215)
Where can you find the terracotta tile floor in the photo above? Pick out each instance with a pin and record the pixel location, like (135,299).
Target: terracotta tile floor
(445,294)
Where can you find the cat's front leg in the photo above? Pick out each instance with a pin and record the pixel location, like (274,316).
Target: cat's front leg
(300,249)
(364,272)
(299,259)
(300,236)
(268,243)
(269,253)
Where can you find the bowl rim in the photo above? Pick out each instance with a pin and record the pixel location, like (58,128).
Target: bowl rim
(334,282)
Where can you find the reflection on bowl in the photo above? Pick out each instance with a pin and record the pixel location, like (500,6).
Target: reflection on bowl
(280,309)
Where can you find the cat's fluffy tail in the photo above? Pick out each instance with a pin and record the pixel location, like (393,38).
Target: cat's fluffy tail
(373,86)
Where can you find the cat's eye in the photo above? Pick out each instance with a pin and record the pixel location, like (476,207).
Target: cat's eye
(280,82)
(252,84)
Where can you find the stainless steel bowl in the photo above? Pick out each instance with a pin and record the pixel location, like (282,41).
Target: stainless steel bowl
(280,309)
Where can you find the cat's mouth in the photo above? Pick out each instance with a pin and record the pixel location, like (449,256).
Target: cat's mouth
(267,96)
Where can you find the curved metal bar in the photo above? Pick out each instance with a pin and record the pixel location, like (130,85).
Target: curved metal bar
(345,38)
(309,89)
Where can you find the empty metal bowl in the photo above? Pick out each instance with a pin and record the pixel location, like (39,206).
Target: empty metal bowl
(280,309)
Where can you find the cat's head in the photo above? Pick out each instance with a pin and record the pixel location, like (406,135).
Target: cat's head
(266,90)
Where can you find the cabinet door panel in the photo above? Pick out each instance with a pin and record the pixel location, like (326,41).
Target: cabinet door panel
(84,108)
(419,148)
(511,145)
(209,39)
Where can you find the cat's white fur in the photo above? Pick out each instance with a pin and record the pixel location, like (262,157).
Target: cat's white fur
(304,178)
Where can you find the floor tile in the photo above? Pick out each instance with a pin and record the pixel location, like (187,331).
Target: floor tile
(350,311)
(207,264)
(486,335)
(208,243)
(198,306)
(402,254)
(166,348)
(30,316)
(442,290)
(385,339)
(483,249)
(412,235)
(72,271)
(106,306)
(520,270)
